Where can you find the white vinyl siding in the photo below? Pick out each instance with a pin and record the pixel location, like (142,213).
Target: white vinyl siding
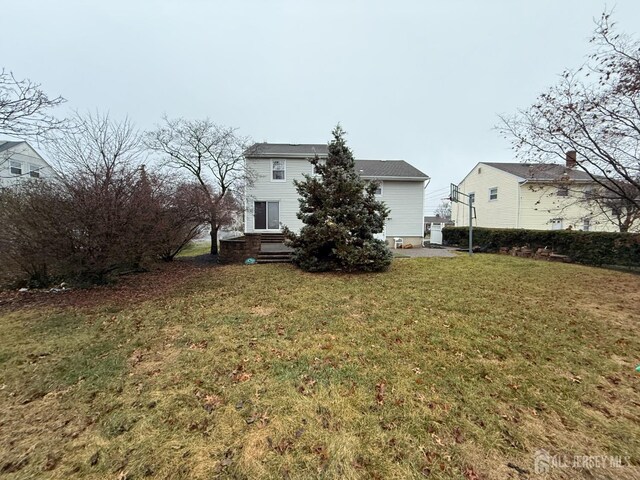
(500,212)
(267,190)
(405,200)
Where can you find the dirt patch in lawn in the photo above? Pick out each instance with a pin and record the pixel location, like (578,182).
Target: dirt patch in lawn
(129,289)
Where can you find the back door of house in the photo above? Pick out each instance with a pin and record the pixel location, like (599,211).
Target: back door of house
(267,215)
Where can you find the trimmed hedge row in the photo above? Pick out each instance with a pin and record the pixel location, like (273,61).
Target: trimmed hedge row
(591,248)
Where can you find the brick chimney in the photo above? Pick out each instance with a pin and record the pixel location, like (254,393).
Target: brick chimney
(570,159)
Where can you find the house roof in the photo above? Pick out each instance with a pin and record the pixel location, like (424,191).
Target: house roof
(366,168)
(4,145)
(388,168)
(542,172)
(289,149)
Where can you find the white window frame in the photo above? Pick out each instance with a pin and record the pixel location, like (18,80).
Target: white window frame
(34,169)
(556,221)
(381,187)
(563,191)
(586,224)
(15,165)
(284,170)
(493,199)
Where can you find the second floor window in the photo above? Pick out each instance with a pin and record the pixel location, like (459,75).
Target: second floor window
(16,168)
(493,193)
(472,198)
(278,170)
(34,171)
(562,191)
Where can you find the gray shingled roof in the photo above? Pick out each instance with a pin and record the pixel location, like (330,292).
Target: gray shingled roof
(540,171)
(7,145)
(366,168)
(270,149)
(388,168)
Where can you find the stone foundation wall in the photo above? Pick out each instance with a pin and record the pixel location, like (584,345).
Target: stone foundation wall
(238,249)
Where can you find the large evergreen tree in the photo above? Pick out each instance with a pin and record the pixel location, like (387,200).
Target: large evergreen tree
(340,215)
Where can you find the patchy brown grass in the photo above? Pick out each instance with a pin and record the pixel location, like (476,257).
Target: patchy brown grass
(456,368)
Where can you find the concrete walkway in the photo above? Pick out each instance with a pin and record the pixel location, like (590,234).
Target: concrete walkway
(424,252)
(401,252)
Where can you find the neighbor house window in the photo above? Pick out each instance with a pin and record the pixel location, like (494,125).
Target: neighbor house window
(472,197)
(556,224)
(278,170)
(562,191)
(16,168)
(379,189)
(493,193)
(34,171)
(588,194)
(586,224)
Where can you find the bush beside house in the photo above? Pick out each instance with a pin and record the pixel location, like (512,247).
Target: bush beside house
(591,248)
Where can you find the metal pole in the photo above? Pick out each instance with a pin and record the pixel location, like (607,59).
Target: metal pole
(470,226)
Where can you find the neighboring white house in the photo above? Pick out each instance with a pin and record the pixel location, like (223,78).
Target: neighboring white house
(272,201)
(531,195)
(19,162)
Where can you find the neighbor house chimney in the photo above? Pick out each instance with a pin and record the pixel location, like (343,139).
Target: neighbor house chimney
(570,159)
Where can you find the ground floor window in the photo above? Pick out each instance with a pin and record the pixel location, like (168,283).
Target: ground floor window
(266,215)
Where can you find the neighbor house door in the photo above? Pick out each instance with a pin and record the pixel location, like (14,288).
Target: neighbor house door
(266,215)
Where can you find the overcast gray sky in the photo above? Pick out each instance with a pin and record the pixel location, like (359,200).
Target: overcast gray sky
(417,80)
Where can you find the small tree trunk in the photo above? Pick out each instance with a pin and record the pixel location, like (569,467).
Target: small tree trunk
(214,240)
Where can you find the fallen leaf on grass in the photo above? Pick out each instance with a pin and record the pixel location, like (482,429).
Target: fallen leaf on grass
(380,390)
(471,474)
(199,345)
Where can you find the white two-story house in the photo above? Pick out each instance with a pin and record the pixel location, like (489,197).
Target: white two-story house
(272,200)
(531,196)
(19,162)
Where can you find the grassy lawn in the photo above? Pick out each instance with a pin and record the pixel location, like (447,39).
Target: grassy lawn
(445,368)
(196,248)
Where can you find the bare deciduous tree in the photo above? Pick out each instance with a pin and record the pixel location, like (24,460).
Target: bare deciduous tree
(213,156)
(24,108)
(595,111)
(106,214)
(444,210)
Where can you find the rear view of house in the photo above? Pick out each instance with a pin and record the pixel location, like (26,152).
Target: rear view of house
(272,201)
